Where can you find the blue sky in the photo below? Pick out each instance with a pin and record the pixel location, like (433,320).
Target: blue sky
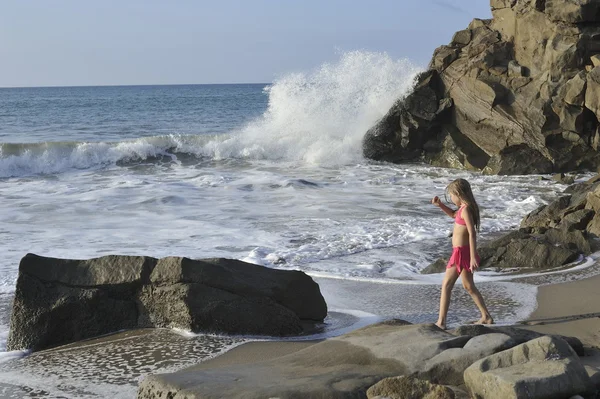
(112,42)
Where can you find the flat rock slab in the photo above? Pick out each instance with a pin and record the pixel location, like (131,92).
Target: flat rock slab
(411,344)
(342,367)
(329,369)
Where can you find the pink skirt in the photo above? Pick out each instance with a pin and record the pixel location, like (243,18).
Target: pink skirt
(461,257)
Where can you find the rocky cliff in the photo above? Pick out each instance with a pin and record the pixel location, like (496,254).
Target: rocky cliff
(516,94)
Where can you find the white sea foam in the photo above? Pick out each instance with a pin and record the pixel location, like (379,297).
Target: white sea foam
(337,322)
(3,337)
(525,295)
(7,356)
(369,221)
(415,278)
(7,283)
(320,118)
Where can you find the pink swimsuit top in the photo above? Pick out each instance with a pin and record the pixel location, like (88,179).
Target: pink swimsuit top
(458,218)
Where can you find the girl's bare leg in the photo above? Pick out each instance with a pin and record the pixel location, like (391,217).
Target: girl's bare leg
(469,284)
(449,279)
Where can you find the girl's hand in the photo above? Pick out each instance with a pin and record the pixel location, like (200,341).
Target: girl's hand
(474,265)
(436,201)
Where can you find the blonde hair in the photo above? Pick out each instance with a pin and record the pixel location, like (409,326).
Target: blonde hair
(462,189)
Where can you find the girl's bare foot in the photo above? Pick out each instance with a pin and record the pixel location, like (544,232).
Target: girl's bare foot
(440,325)
(485,320)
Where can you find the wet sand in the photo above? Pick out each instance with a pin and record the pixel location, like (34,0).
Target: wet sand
(572,309)
(569,309)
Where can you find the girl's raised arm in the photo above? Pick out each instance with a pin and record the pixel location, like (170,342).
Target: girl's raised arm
(436,201)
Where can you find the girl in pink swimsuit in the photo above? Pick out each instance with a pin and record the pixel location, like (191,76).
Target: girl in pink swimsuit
(464,259)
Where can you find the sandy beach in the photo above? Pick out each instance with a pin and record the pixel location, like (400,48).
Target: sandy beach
(569,309)
(572,309)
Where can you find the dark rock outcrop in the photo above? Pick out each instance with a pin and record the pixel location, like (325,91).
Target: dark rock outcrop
(516,94)
(439,266)
(525,249)
(410,124)
(58,301)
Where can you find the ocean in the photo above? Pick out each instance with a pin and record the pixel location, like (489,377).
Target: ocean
(267,173)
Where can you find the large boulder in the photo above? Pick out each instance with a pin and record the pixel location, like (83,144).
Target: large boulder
(58,301)
(545,367)
(448,366)
(439,266)
(522,335)
(517,160)
(519,95)
(573,11)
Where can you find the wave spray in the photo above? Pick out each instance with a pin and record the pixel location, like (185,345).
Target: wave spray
(321,117)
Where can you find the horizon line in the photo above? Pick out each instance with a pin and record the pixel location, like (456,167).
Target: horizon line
(133,85)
